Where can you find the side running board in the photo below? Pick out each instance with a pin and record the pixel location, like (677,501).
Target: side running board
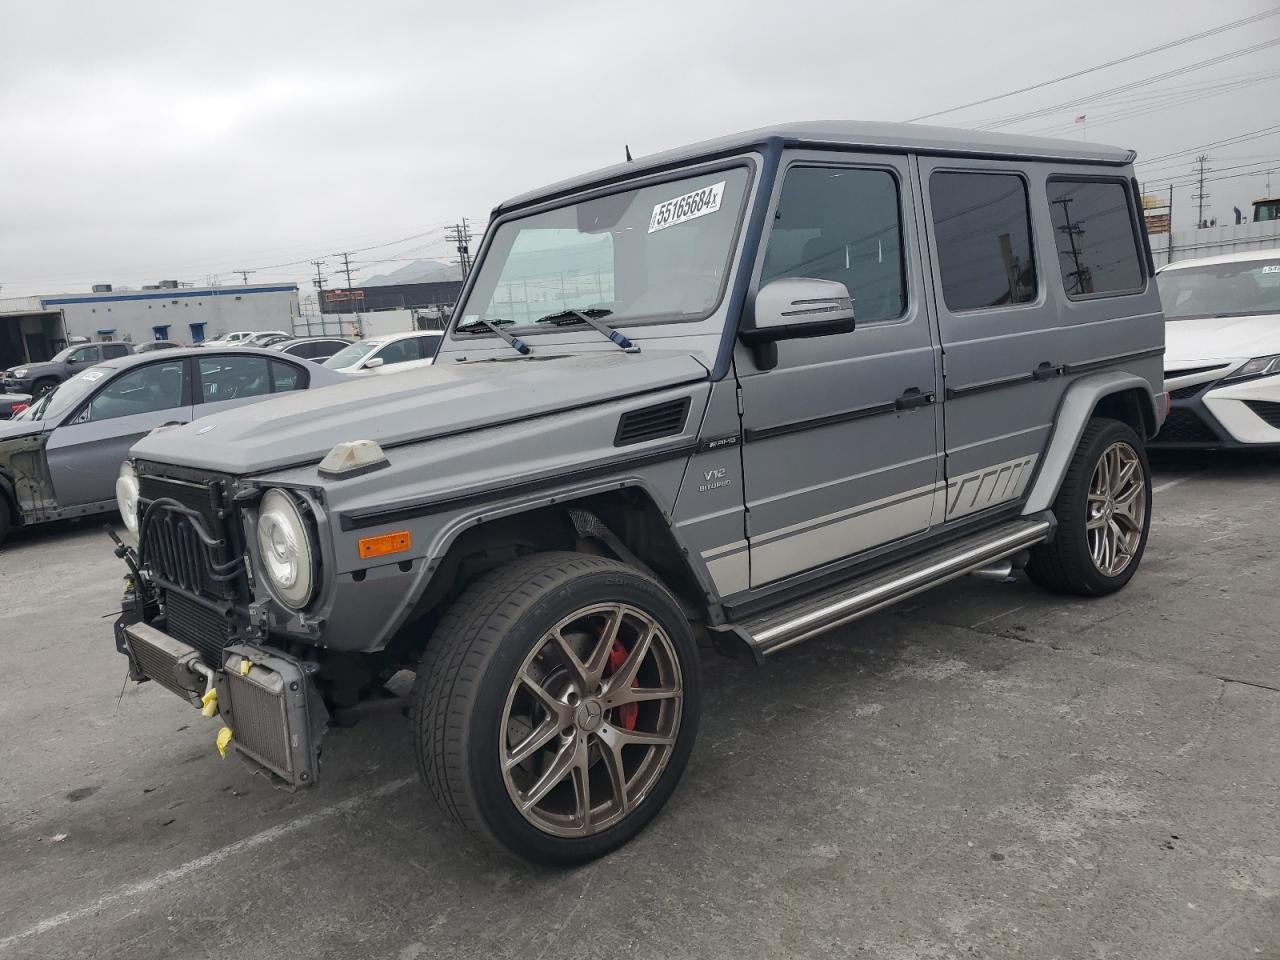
(807,617)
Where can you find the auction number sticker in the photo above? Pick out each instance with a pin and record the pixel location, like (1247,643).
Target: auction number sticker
(699,203)
(1274,268)
(91,375)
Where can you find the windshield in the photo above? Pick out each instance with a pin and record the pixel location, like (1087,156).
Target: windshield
(349,356)
(656,252)
(63,397)
(1239,289)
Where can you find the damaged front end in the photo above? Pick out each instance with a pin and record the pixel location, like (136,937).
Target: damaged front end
(185,623)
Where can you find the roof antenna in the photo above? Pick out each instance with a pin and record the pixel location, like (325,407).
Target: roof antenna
(627,147)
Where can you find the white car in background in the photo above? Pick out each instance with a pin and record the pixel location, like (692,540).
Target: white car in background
(1222,350)
(388,354)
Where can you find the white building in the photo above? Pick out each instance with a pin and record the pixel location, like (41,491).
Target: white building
(34,328)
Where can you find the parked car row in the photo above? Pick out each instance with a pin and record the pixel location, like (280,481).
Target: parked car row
(60,457)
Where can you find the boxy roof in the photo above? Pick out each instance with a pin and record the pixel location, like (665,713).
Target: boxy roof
(873,135)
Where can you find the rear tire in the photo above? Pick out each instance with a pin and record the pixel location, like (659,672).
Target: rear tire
(6,518)
(1104,515)
(556,706)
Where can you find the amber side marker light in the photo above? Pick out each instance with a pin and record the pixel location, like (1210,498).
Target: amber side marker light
(385,543)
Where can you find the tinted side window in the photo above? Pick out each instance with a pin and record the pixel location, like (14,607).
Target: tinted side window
(285,376)
(233,378)
(982,226)
(1094,232)
(844,225)
(157,386)
(85,355)
(428,346)
(110,350)
(400,351)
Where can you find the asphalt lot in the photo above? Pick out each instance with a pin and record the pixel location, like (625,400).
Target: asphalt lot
(988,771)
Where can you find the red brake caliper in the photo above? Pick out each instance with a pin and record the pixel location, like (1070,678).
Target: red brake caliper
(628,712)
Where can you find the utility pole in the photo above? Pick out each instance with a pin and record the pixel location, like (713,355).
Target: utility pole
(1202,162)
(244,274)
(1080,275)
(460,235)
(318,282)
(358,329)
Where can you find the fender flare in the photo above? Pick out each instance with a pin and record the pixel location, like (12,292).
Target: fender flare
(1078,403)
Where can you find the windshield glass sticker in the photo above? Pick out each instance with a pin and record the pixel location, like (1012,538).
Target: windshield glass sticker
(699,203)
(91,375)
(1273,268)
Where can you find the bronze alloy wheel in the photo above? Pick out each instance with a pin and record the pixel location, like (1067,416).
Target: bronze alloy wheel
(591,720)
(1117,509)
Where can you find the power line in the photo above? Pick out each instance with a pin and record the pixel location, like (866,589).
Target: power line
(1228,141)
(1126,87)
(244,275)
(1103,66)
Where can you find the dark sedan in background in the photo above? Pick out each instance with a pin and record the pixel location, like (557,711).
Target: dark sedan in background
(61,456)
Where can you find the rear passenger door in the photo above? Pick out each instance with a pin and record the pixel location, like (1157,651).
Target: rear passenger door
(1002,352)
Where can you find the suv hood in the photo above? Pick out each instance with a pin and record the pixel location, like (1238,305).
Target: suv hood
(416,405)
(11,429)
(1221,338)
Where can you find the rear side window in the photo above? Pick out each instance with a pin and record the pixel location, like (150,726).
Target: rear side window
(429,346)
(110,350)
(982,227)
(1093,228)
(844,225)
(233,378)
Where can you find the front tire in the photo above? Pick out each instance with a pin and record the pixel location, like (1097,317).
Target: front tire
(556,707)
(1104,515)
(42,387)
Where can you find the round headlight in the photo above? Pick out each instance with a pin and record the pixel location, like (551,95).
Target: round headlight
(127,496)
(284,549)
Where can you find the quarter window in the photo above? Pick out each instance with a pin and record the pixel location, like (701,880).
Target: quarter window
(1093,229)
(843,225)
(982,227)
(285,376)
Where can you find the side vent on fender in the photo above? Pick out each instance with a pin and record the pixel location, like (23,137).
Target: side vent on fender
(650,423)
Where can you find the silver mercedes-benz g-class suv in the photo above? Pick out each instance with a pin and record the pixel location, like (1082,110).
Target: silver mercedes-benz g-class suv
(749,390)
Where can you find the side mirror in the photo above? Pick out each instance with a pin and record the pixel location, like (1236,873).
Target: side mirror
(792,308)
(374,363)
(72,361)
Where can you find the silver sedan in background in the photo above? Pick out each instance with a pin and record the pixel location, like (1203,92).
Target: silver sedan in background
(61,456)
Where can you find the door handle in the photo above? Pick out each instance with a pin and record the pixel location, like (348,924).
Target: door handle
(912,398)
(1046,371)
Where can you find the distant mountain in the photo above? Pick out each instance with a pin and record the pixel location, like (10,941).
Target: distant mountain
(419,271)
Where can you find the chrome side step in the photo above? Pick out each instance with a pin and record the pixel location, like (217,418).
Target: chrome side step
(847,602)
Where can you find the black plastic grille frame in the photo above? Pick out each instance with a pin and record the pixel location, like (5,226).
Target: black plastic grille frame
(1186,393)
(650,423)
(1267,410)
(1185,426)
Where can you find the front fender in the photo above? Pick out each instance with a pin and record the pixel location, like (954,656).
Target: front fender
(1078,405)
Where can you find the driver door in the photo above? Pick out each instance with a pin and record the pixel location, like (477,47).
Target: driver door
(841,449)
(84,453)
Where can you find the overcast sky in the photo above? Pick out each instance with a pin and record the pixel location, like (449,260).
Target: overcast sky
(146,140)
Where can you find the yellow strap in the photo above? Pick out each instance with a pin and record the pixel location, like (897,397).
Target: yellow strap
(209,702)
(224,738)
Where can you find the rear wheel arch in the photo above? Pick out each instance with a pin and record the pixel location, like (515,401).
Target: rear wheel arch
(1113,395)
(1133,406)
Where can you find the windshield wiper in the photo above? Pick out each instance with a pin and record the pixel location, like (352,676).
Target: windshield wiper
(493,326)
(591,318)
